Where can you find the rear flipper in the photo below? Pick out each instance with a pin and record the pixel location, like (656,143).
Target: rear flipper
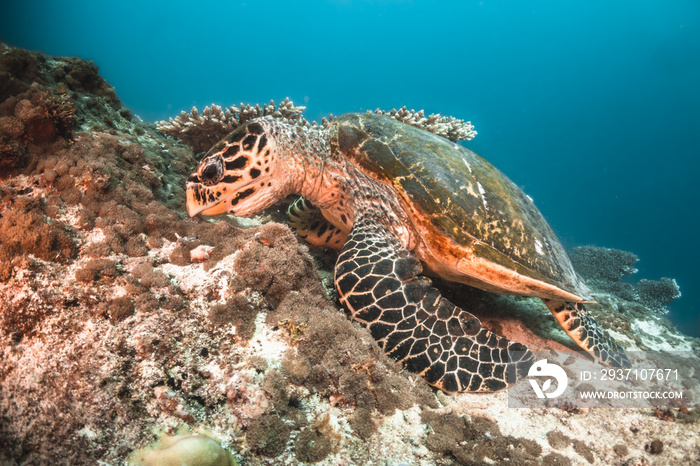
(310,224)
(377,280)
(586,332)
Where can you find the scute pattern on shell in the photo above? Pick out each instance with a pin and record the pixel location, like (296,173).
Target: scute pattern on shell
(459,195)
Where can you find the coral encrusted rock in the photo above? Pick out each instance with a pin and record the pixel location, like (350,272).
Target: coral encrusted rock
(133,334)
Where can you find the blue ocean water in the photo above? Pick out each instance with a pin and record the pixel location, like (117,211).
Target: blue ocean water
(593,108)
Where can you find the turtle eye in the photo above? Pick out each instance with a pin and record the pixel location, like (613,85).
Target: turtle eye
(212,170)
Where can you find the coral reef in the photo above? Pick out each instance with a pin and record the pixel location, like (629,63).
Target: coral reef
(33,118)
(657,294)
(446,126)
(123,321)
(602,265)
(472,441)
(202,130)
(603,268)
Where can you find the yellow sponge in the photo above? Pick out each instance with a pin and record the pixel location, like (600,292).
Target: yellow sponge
(183,450)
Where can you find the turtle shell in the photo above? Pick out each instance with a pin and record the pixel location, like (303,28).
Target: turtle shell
(463,198)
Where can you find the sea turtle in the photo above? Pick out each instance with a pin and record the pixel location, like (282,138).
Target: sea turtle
(396,200)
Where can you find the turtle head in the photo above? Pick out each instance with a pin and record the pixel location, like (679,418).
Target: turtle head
(240,175)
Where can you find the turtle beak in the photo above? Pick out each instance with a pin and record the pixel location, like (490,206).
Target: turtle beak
(201,200)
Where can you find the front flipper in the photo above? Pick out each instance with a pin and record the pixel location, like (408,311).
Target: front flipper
(377,280)
(585,331)
(310,224)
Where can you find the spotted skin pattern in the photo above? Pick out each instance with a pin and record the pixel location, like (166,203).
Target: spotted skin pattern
(584,330)
(241,158)
(378,281)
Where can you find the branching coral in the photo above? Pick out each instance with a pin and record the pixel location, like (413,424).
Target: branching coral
(603,264)
(202,130)
(657,294)
(446,126)
(604,268)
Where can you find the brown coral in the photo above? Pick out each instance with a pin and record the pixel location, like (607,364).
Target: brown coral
(45,117)
(25,230)
(11,127)
(33,118)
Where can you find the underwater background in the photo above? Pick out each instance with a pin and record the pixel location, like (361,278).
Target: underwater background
(591,108)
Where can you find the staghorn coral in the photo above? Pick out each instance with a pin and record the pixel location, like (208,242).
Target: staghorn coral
(446,126)
(603,264)
(603,268)
(202,130)
(657,294)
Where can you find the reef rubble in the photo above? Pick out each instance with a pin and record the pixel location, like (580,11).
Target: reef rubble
(126,324)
